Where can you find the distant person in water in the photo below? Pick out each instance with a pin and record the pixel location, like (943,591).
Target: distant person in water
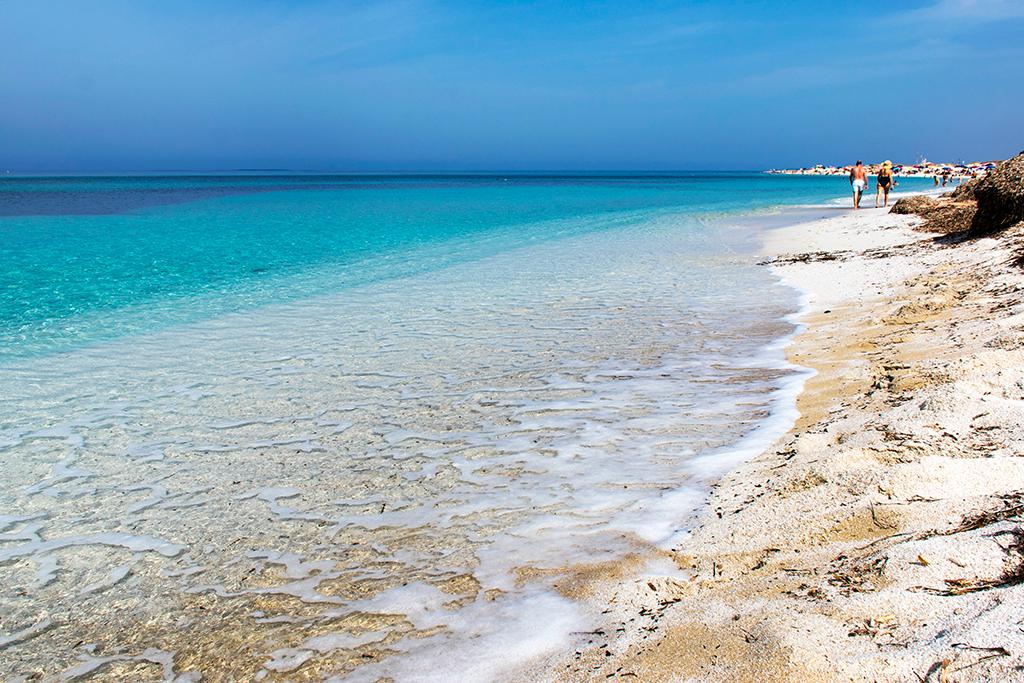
(884,182)
(859,181)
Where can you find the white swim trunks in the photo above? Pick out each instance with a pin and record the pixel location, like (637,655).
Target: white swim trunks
(858,185)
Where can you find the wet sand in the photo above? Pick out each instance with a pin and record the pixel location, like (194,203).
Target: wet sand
(880,538)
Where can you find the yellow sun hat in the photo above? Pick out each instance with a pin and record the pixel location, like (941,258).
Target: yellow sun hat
(886,163)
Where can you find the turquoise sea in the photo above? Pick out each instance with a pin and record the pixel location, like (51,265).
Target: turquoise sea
(93,258)
(304,427)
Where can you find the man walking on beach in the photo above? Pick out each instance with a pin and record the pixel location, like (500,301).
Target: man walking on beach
(859,180)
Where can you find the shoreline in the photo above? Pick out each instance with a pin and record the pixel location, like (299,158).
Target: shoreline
(851,548)
(217,414)
(735,541)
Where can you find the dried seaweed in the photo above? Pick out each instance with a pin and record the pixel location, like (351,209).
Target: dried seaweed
(859,576)
(1013,574)
(1013,507)
(808,257)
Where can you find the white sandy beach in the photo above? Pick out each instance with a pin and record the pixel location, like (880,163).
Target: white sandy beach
(879,539)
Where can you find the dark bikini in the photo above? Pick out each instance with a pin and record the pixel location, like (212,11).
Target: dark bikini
(885,181)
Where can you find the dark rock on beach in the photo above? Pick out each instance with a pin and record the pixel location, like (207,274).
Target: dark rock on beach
(983,206)
(918,204)
(966,191)
(944,215)
(951,216)
(1000,197)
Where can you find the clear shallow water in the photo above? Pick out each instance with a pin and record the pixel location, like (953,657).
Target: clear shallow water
(377,455)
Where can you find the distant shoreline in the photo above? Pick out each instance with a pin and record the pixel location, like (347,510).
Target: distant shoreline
(925,169)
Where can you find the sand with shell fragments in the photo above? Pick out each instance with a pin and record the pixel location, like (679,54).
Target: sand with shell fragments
(881,539)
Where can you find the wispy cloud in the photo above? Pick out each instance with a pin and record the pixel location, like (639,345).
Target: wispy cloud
(967,10)
(676,32)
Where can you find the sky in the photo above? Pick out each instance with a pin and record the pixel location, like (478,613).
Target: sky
(134,85)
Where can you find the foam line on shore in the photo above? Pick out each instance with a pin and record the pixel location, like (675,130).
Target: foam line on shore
(872,522)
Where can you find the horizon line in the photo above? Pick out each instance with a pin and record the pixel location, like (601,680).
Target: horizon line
(314,171)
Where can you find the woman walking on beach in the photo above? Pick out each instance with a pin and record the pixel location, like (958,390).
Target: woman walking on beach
(884,182)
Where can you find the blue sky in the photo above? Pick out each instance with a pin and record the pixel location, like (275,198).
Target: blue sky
(429,84)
